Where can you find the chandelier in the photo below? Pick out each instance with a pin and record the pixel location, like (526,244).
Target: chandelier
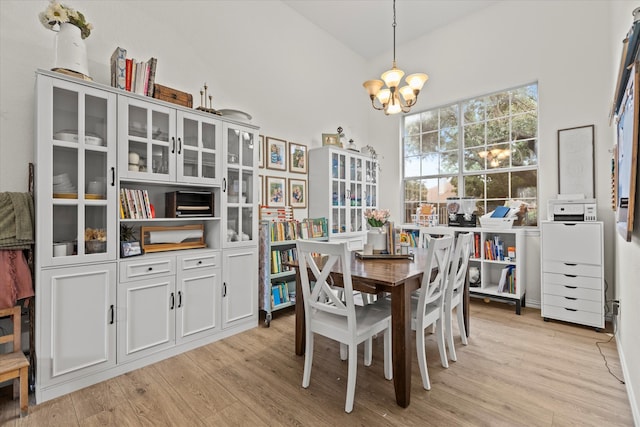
(391,99)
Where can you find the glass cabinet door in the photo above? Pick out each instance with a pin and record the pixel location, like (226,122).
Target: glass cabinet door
(198,148)
(339,189)
(370,195)
(76,173)
(239,186)
(356,189)
(149,140)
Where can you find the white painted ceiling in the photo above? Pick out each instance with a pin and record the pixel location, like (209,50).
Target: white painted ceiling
(365,26)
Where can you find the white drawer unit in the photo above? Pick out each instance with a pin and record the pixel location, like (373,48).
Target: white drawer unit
(572,260)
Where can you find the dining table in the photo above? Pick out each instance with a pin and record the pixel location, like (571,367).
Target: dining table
(398,276)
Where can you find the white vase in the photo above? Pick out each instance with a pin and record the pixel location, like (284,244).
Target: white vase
(71,51)
(377,237)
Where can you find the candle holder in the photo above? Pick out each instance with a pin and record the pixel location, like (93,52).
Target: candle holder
(203,100)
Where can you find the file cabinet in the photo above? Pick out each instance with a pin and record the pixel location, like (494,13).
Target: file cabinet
(572,260)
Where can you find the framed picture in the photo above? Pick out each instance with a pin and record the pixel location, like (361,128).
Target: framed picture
(297,193)
(128,249)
(261,151)
(575,161)
(331,139)
(276,191)
(297,158)
(260,189)
(276,154)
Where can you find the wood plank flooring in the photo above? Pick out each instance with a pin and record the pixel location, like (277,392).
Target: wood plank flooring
(516,370)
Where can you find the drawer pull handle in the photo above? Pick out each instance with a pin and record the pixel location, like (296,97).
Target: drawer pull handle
(570,264)
(570,309)
(179,145)
(200,262)
(571,275)
(571,298)
(173,145)
(570,287)
(150,269)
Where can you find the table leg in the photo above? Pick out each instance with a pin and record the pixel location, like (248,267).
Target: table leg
(299,341)
(401,334)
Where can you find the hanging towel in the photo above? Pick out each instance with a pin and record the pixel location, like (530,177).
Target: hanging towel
(15,278)
(16,220)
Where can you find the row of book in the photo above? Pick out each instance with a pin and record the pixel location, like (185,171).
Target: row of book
(134,204)
(494,249)
(132,75)
(280,257)
(281,294)
(284,230)
(507,281)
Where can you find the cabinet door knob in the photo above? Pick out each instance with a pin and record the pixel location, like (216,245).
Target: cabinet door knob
(150,269)
(200,262)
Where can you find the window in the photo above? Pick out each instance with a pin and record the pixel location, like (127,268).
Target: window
(484,148)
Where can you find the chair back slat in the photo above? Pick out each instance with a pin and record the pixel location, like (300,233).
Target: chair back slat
(14,337)
(459,262)
(433,287)
(320,258)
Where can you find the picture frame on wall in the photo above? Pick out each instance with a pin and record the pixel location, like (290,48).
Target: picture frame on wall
(261,151)
(575,161)
(297,193)
(297,158)
(276,191)
(260,189)
(331,139)
(276,154)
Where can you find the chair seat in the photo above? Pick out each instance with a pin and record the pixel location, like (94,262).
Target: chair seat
(10,363)
(372,316)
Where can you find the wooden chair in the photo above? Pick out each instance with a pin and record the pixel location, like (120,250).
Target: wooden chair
(453,296)
(338,318)
(15,366)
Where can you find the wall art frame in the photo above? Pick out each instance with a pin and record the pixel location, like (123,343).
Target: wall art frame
(297,193)
(297,158)
(276,191)
(576,168)
(276,154)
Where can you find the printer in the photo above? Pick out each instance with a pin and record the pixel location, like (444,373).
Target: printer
(571,207)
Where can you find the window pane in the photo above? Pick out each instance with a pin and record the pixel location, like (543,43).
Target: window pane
(497,131)
(524,126)
(474,135)
(472,159)
(412,125)
(449,139)
(449,162)
(412,166)
(430,142)
(524,153)
(411,145)
(412,190)
(430,164)
(497,105)
(447,187)
(498,156)
(429,120)
(524,99)
(474,186)
(524,184)
(473,110)
(449,116)
(498,185)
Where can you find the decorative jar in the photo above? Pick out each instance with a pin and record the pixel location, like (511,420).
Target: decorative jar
(71,51)
(377,237)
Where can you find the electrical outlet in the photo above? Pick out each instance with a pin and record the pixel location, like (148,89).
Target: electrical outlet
(616,307)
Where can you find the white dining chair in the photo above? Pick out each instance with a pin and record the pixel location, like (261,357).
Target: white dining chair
(335,318)
(455,288)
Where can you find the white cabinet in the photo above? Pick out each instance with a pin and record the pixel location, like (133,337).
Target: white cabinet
(166,299)
(342,185)
(161,143)
(240,286)
(573,272)
(240,186)
(76,329)
(496,259)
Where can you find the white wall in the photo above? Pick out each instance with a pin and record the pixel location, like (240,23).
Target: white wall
(627,260)
(256,56)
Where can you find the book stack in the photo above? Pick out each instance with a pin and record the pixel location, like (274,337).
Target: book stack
(313,228)
(281,257)
(134,204)
(494,249)
(131,75)
(280,294)
(284,230)
(276,214)
(507,281)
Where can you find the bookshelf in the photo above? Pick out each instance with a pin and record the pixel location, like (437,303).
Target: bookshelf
(496,261)
(277,244)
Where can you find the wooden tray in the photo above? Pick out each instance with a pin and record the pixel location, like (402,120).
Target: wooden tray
(361,255)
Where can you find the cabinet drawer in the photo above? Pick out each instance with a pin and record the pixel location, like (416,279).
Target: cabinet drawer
(575,243)
(577,316)
(574,281)
(134,270)
(573,292)
(572,268)
(207,260)
(573,303)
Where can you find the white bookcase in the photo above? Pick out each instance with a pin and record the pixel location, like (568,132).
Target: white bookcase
(491,265)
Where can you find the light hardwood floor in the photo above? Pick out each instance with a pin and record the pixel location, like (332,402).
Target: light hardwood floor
(516,370)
